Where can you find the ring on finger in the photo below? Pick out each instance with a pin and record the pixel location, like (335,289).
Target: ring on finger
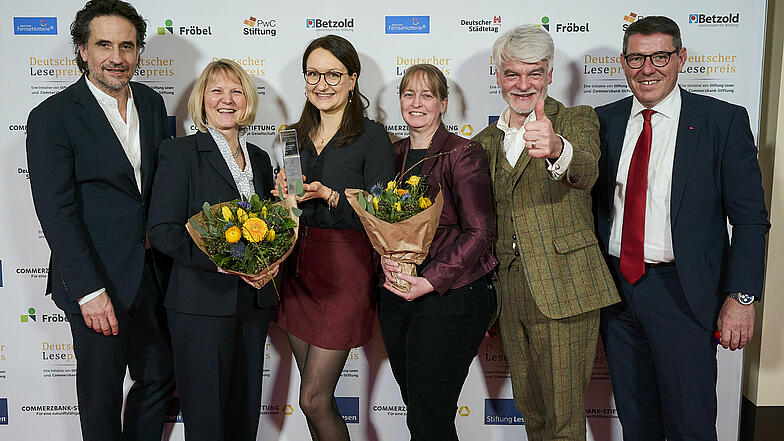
(533,144)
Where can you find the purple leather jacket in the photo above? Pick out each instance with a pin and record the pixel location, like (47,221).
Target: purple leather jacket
(461,251)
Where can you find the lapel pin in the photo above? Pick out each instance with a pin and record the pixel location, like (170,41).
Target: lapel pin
(691,128)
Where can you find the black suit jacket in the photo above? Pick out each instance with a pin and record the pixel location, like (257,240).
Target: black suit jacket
(192,171)
(85,193)
(715,178)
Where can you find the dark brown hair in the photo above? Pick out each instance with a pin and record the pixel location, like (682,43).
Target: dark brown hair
(80,28)
(653,24)
(351,125)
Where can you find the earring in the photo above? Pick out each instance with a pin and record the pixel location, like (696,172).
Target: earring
(350,95)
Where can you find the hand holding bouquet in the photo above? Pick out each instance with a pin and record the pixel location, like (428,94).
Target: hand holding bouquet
(400,221)
(247,238)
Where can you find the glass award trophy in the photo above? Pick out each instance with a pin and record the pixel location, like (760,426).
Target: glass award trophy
(290,143)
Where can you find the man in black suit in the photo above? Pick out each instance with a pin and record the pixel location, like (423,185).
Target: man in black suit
(91,152)
(675,167)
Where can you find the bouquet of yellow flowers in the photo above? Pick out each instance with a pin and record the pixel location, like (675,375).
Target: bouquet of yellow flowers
(400,221)
(245,237)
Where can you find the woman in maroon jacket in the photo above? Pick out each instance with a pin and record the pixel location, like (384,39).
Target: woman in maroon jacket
(432,333)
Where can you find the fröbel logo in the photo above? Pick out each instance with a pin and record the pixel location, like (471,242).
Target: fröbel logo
(502,412)
(348,408)
(35,25)
(407,24)
(191,30)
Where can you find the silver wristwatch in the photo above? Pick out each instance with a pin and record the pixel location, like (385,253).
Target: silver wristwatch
(743,299)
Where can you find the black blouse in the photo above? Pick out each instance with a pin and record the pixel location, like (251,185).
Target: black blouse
(365,161)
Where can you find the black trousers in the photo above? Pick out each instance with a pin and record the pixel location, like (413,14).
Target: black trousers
(431,342)
(662,361)
(143,346)
(219,365)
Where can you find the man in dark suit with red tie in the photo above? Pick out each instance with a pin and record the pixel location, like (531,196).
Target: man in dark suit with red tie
(91,152)
(675,167)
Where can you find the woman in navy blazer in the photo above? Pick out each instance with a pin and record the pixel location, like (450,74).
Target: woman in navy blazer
(433,332)
(218,322)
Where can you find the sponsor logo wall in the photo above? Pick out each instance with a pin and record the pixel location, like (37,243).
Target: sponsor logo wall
(724,41)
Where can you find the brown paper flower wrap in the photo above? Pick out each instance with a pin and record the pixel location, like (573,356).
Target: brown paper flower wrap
(406,242)
(215,210)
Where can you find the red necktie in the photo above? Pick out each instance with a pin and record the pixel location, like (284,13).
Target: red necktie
(633,236)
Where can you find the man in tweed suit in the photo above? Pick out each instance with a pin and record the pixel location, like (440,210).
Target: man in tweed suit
(552,277)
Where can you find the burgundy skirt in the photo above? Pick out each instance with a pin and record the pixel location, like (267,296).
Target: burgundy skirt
(328,291)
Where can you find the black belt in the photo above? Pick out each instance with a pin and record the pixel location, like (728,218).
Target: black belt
(659,265)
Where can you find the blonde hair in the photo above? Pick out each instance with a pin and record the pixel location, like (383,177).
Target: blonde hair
(227,67)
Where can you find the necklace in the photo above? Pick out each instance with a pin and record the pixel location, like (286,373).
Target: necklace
(236,155)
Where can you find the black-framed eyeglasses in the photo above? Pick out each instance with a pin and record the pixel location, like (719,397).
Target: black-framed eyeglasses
(658,59)
(331,77)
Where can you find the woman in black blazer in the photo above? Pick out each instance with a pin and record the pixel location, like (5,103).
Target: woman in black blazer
(218,322)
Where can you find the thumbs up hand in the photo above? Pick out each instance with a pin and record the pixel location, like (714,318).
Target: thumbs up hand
(540,139)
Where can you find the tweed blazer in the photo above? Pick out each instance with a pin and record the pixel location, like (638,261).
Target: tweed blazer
(563,265)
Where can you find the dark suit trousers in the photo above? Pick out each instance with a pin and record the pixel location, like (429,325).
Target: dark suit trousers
(431,343)
(662,362)
(219,365)
(143,346)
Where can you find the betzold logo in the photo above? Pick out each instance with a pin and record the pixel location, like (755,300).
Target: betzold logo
(168,27)
(629,19)
(340,24)
(348,408)
(190,30)
(712,20)
(545,23)
(4,411)
(482,24)
(467,130)
(502,412)
(24,318)
(407,24)
(35,25)
(464,411)
(259,27)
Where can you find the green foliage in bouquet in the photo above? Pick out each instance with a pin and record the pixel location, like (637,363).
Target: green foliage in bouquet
(397,202)
(246,235)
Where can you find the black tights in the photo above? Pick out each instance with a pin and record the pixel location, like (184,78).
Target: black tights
(319,371)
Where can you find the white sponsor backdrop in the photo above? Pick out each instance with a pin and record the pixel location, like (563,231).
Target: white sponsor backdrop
(37,391)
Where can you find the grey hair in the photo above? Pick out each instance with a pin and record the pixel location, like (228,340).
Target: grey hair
(527,43)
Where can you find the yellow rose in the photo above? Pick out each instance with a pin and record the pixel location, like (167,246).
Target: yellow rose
(391,185)
(254,230)
(413,181)
(375,202)
(264,212)
(270,235)
(397,206)
(233,235)
(424,202)
(242,216)
(228,216)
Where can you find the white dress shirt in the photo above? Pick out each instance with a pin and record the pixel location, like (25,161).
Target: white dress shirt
(128,135)
(514,144)
(664,125)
